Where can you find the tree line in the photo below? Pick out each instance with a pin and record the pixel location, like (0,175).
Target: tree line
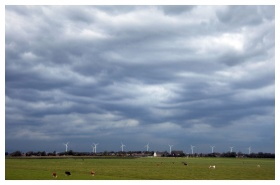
(142,153)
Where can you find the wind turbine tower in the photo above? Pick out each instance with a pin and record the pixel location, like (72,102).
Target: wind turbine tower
(231,149)
(66,146)
(192,148)
(170,148)
(249,150)
(147,146)
(94,147)
(122,146)
(212,148)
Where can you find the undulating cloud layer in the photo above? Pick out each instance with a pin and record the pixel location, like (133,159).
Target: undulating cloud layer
(180,75)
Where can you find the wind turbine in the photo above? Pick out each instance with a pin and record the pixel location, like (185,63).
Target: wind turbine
(170,146)
(147,146)
(249,150)
(66,146)
(192,148)
(212,148)
(231,149)
(94,147)
(122,146)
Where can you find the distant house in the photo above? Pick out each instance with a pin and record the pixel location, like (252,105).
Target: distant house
(159,154)
(139,154)
(177,153)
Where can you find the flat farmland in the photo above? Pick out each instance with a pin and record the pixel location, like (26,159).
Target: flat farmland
(139,168)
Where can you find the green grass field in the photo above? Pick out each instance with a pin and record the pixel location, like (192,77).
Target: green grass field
(140,169)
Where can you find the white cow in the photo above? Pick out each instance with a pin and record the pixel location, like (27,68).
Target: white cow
(213,167)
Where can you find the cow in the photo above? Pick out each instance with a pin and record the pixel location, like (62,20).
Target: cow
(184,163)
(213,167)
(92,173)
(54,175)
(67,173)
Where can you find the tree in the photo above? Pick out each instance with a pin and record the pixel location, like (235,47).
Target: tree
(43,153)
(105,153)
(30,153)
(70,152)
(16,153)
(229,154)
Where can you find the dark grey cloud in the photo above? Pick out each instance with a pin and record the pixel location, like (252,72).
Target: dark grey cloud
(176,9)
(137,74)
(246,16)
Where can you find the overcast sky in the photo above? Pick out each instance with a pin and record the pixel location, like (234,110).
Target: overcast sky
(178,75)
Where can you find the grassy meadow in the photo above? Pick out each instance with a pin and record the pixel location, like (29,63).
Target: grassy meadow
(140,169)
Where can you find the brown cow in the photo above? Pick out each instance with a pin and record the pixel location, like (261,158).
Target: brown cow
(92,173)
(54,175)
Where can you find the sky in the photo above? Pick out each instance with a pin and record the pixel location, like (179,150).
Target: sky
(163,75)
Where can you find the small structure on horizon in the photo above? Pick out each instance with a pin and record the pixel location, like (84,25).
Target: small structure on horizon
(155,154)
